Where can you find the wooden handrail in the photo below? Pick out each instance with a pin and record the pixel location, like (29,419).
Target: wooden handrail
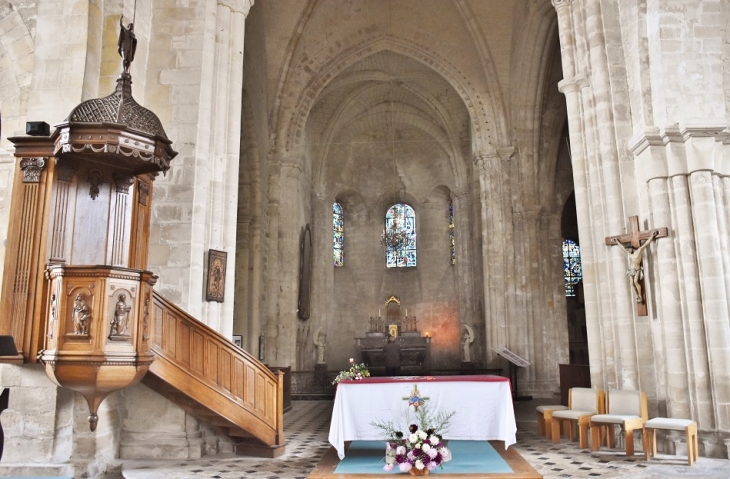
(207,367)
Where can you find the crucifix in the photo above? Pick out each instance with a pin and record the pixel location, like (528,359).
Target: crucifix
(631,243)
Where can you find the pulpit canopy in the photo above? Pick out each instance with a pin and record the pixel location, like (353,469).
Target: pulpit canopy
(115,131)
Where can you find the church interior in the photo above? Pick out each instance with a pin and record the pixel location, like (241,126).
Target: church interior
(209,208)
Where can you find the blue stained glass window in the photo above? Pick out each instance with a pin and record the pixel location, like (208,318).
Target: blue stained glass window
(401,218)
(571,266)
(338,229)
(451,232)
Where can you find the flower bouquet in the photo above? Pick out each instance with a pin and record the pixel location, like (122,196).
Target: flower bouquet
(421,449)
(356,371)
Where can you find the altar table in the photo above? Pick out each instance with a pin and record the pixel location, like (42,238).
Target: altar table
(483,406)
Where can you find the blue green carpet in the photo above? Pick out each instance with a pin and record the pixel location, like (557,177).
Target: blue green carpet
(367,457)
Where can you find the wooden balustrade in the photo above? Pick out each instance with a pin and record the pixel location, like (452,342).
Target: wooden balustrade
(209,369)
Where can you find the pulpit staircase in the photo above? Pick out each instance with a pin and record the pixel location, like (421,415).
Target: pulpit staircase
(215,381)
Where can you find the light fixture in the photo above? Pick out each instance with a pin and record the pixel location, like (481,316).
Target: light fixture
(395,237)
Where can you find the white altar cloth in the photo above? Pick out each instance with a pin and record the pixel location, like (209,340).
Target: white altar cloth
(483,406)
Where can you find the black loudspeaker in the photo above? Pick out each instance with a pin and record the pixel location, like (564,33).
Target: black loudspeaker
(7,346)
(37,128)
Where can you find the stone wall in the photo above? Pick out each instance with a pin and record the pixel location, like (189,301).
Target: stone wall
(645,90)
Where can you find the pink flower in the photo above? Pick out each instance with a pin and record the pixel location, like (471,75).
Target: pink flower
(431,466)
(389,467)
(405,466)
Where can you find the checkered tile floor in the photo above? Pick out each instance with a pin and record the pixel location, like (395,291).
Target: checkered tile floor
(307,424)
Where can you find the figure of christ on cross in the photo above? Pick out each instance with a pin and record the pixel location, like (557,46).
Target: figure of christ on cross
(631,244)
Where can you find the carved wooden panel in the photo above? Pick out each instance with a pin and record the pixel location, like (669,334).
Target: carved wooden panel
(23,309)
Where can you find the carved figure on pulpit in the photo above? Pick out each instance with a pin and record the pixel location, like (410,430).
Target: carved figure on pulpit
(121,317)
(466,341)
(320,340)
(81,315)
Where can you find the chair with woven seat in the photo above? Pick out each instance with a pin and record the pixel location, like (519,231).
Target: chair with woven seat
(628,409)
(545,418)
(583,403)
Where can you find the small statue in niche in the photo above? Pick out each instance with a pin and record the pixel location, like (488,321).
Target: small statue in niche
(466,341)
(121,317)
(81,316)
(320,340)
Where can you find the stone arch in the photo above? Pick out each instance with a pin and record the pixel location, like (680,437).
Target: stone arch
(447,137)
(293,126)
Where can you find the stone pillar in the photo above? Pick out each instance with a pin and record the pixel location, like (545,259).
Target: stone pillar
(287,218)
(492,234)
(466,274)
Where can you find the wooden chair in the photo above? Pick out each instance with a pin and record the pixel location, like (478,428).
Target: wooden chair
(687,425)
(627,409)
(545,418)
(583,403)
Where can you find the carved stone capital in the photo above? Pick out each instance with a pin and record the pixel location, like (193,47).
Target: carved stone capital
(571,85)
(31,168)
(239,6)
(561,3)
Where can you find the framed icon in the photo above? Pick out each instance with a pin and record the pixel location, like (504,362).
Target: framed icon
(238,340)
(393,330)
(216,285)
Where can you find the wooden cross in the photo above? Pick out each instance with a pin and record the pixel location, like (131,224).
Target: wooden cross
(633,239)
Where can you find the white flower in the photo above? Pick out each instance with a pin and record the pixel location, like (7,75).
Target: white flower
(422,435)
(352,360)
(433,440)
(445,454)
(419,465)
(413,438)
(425,447)
(400,450)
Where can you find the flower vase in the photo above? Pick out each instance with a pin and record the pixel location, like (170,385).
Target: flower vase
(416,472)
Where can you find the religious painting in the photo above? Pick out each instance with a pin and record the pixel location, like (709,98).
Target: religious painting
(238,340)
(305,273)
(216,285)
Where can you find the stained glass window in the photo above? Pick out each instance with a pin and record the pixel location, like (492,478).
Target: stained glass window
(338,229)
(401,219)
(451,232)
(571,266)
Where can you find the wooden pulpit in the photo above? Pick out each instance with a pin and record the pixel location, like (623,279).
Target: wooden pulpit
(76,292)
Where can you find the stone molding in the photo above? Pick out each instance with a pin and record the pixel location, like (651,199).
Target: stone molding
(238,6)
(561,3)
(571,85)
(681,149)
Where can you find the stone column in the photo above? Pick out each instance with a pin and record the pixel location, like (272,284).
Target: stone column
(492,234)
(466,274)
(286,220)
(222,88)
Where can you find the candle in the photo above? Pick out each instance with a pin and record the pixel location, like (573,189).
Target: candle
(406,312)
(378,313)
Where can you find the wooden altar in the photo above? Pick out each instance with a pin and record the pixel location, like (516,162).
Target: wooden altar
(415,350)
